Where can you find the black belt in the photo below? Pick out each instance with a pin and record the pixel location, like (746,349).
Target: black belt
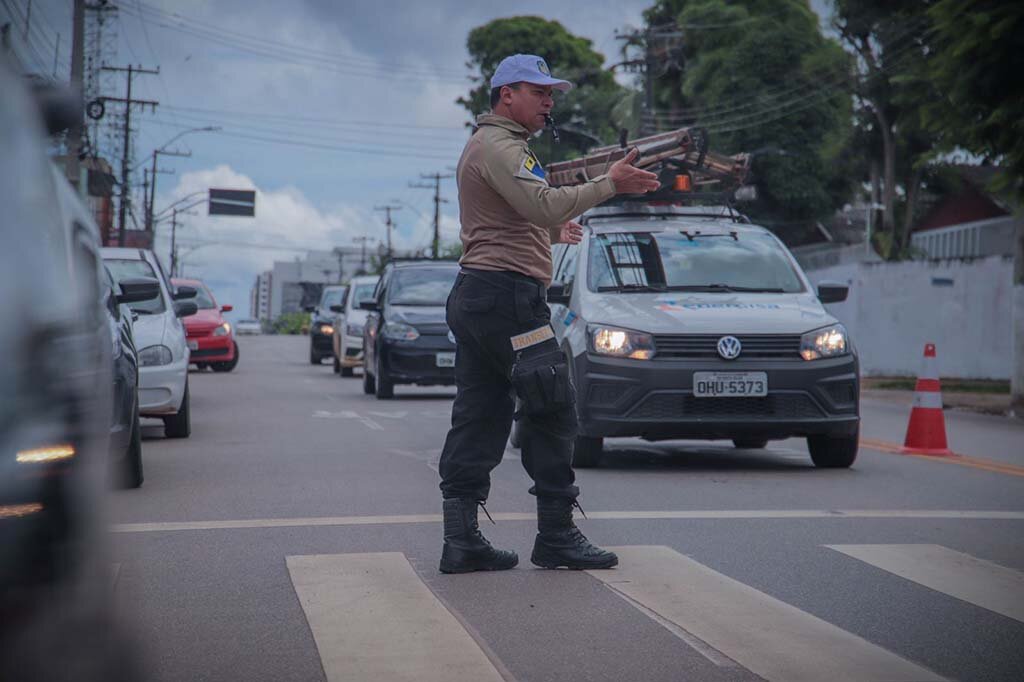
(514,282)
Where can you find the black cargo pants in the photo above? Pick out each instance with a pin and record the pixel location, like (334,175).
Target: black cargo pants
(485,310)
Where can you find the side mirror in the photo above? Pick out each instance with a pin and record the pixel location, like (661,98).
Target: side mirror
(370,305)
(138,289)
(309,308)
(60,107)
(182,292)
(337,308)
(227,308)
(185,308)
(832,292)
(560,293)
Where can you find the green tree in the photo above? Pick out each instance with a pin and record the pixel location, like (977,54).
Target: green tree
(585,114)
(760,77)
(886,38)
(974,71)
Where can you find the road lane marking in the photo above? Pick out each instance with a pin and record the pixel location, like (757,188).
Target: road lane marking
(348,414)
(700,646)
(767,636)
(956,574)
(372,618)
(722,514)
(956,458)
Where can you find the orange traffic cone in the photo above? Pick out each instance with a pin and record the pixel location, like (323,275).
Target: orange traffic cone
(926,432)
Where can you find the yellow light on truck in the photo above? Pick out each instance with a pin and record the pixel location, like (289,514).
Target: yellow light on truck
(52,453)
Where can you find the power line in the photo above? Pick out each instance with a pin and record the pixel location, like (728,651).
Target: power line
(321,146)
(299,49)
(289,54)
(417,140)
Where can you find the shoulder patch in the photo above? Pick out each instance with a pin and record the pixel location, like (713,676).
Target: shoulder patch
(530,169)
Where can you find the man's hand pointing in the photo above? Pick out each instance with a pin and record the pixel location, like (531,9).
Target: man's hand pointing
(631,180)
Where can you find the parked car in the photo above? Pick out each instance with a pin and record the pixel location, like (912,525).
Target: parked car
(55,414)
(160,337)
(247,327)
(687,323)
(406,338)
(349,322)
(321,324)
(125,430)
(210,339)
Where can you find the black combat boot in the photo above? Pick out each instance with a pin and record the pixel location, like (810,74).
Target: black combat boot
(560,543)
(465,547)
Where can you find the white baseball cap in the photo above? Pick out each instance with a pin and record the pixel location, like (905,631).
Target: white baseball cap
(526,68)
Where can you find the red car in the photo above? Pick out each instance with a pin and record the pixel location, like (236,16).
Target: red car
(211,341)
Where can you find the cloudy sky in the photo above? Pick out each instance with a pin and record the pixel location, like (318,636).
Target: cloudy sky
(327,108)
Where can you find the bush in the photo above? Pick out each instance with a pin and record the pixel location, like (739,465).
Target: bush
(291,323)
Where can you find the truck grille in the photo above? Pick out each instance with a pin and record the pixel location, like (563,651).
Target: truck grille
(780,346)
(678,406)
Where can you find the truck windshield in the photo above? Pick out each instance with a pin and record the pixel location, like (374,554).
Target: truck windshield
(678,260)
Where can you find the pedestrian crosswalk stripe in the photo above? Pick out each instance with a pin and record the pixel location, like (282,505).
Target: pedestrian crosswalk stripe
(763,634)
(372,618)
(956,574)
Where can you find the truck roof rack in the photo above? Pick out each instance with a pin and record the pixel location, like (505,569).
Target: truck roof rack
(688,172)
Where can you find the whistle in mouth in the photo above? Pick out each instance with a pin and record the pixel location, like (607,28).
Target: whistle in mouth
(550,121)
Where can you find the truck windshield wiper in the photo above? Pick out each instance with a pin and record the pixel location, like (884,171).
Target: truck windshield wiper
(726,287)
(633,287)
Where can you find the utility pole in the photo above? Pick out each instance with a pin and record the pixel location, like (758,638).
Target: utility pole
(387,210)
(1017,317)
(174,247)
(152,189)
(437,178)
(128,102)
(362,254)
(73,167)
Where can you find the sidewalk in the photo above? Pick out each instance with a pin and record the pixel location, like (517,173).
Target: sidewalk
(985,403)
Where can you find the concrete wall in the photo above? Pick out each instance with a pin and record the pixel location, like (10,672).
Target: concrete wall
(964,306)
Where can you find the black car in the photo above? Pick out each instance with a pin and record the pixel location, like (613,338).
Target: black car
(321,324)
(406,338)
(125,432)
(55,414)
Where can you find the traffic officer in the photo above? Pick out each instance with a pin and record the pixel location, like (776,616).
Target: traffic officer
(498,313)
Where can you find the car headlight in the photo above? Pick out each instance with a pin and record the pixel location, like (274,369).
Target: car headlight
(154,356)
(222,330)
(827,342)
(620,343)
(354,329)
(325,329)
(396,331)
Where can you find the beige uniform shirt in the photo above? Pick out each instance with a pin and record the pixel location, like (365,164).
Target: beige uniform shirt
(510,216)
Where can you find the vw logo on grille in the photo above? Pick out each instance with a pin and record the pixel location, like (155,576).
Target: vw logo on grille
(729,347)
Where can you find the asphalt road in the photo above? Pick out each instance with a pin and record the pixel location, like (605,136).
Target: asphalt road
(296,536)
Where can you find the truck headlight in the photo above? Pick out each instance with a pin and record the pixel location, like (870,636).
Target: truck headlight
(827,342)
(396,331)
(222,330)
(154,356)
(354,329)
(620,343)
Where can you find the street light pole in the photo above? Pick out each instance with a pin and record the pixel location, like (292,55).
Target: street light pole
(162,149)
